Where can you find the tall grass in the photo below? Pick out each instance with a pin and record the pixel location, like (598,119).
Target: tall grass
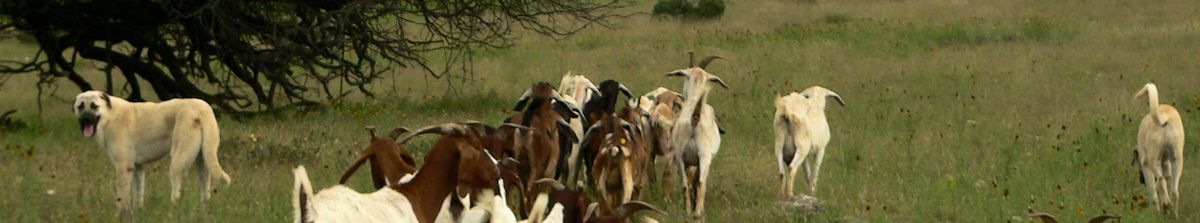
(957,112)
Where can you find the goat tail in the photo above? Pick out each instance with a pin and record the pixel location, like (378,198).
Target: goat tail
(302,190)
(1150,91)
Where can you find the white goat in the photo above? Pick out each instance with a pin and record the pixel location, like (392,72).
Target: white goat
(1160,149)
(576,90)
(696,135)
(801,133)
(342,204)
(578,87)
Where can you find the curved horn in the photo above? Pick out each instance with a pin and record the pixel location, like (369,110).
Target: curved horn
(591,211)
(514,125)
(490,157)
(629,208)
(837,97)
(552,182)
(371,130)
(477,126)
(1045,217)
(396,132)
(691,59)
(594,89)
(704,62)
(524,98)
(443,129)
(1103,217)
(625,90)
(587,134)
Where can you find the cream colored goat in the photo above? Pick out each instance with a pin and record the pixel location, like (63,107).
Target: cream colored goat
(344,204)
(578,87)
(1160,149)
(801,135)
(696,134)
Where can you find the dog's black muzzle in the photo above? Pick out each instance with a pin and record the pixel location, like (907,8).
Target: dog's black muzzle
(88,119)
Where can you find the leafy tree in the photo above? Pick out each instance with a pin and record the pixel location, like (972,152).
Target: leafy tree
(265,54)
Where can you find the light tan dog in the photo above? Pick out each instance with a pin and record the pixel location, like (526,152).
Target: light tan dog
(1160,150)
(134,134)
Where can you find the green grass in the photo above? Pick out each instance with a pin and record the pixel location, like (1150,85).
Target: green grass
(957,112)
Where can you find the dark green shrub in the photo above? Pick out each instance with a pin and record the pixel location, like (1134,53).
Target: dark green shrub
(709,8)
(700,9)
(670,7)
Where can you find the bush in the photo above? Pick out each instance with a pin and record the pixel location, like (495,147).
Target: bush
(670,7)
(701,9)
(710,8)
(8,123)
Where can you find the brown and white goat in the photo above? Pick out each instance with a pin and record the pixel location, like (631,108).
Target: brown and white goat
(573,202)
(621,214)
(696,134)
(615,171)
(545,112)
(488,140)
(389,161)
(662,119)
(451,164)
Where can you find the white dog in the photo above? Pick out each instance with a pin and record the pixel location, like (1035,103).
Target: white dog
(134,134)
(1160,149)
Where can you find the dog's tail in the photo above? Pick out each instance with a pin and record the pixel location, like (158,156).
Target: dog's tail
(1151,91)
(302,192)
(211,140)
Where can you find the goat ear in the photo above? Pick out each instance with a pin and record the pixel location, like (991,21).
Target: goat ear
(565,110)
(715,79)
(565,128)
(677,73)
(468,158)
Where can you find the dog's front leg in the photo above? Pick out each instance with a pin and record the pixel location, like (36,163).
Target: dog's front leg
(139,186)
(125,189)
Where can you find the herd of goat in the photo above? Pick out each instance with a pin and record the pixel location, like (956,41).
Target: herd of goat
(569,154)
(566,154)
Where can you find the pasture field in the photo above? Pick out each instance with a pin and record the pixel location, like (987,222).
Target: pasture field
(958,111)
